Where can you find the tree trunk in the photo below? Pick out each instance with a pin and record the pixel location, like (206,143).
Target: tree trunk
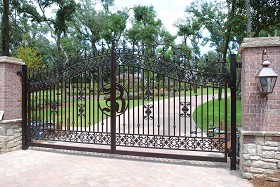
(5,28)
(227,39)
(248,14)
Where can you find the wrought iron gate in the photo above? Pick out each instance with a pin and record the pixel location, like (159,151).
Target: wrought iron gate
(132,100)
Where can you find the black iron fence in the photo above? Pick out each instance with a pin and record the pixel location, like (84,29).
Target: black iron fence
(131,99)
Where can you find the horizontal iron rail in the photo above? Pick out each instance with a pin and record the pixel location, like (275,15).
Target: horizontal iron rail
(133,153)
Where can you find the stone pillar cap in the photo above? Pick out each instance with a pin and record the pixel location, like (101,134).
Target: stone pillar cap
(259,42)
(11,60)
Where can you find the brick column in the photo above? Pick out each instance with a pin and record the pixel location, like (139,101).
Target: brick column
(260,127)
(10,103)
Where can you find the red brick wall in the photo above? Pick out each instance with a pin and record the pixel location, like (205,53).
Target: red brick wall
(259,114)
(10,89)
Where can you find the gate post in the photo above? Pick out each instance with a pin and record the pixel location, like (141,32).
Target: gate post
(113,98)
(260,126)
(24,108)
(11,114)
(233,63)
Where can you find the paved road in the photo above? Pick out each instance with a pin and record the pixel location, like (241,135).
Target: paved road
(51,168)
(165,118)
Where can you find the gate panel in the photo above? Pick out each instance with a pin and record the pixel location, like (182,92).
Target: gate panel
(132,100)
(164,99)
(64,103)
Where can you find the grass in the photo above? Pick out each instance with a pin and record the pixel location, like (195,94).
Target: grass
(206,119)
(70,113)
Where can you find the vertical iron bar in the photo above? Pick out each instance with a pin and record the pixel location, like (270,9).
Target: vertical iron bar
(138,97)
(174,108)
(133,118)
(81,100)
(98,90)
(77,106)
(24,108)
(153,88)
(54,105)
(213,108)
(89,103)
(123,83)
(143,97)
(179,107)
(65,106)
(128,100)
(113,98)
(73,108)
(219,114)
(191,131)
(158,85)
(119,117)
(43,119)
(69,105)
(36,110)
(85,103)
(233,110)
(163,110)
(148,98)
(207,109)
(168,106)
(201,88)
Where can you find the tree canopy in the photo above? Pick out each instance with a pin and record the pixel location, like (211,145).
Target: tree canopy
(59,30)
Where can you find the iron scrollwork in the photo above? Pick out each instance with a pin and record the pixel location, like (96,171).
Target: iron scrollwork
(120,105)
(148,112)
(185,109)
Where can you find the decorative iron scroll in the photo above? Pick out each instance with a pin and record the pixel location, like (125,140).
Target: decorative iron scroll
(185,109)
(54,107)
(148,112)
(159,65)
(148,91)
(81,110)
(171,142)
(121,103)
(70,136)
(81,94)
(46,78)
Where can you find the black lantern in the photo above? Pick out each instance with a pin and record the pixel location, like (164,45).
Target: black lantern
(266,78)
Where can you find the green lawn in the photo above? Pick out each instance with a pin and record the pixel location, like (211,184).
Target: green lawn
(206,119)
(92,113)
(68,112)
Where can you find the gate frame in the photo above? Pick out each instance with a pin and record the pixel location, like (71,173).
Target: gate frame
(231,152)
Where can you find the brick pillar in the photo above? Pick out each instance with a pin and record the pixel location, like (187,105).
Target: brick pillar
(260,127)
(10,103)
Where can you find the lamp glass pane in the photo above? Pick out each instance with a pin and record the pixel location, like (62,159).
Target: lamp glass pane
(271,83)
(264,84)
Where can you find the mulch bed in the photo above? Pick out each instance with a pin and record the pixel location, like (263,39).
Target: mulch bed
(269,181)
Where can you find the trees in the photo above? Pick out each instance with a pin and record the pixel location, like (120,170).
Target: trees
(5,36)
(145,26)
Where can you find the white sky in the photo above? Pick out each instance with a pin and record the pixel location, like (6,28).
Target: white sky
(168,11)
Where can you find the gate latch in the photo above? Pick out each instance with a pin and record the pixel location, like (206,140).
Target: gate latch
(229,152)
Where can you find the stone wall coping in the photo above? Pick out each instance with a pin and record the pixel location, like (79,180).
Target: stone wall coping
(259,42)
(11,60)
(259,133)
(10,121)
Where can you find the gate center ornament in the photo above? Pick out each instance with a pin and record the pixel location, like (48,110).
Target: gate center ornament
(185,109)
(121,103)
